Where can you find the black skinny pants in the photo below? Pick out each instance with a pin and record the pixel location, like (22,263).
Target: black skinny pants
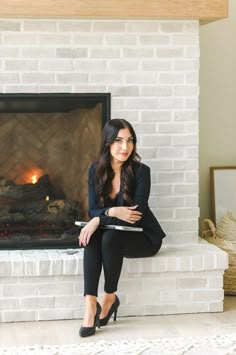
(106,249)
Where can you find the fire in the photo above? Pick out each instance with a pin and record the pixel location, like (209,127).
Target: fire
(34,179)
(47,198)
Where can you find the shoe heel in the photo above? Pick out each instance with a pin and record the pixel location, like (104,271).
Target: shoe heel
(98,315)
(115,314)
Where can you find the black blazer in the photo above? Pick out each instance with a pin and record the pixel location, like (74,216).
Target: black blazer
(142,181)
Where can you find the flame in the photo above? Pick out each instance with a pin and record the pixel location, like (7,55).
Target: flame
(34,179)
(47,198)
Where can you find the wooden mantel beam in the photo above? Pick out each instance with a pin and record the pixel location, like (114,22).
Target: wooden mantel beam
(203,10)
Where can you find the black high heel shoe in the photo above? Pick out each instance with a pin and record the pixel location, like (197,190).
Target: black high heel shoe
(87,331)
(113,309)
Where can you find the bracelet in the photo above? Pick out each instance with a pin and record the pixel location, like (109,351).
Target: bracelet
(106,212)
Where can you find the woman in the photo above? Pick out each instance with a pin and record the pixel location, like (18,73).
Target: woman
(119,187)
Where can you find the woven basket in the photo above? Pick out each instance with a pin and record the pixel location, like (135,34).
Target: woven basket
(209,232)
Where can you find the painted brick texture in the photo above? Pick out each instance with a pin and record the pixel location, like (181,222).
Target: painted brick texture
(49,283)
(151,69)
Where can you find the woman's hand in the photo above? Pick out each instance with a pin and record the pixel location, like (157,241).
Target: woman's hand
(127,214)
(87,231)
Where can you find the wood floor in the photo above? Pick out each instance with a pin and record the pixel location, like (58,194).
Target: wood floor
(66,332)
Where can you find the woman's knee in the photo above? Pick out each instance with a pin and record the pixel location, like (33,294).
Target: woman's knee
(110,240)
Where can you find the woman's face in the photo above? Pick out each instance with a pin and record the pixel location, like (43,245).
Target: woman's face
(122,147)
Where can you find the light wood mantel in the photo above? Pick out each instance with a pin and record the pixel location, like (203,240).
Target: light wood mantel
(203,10)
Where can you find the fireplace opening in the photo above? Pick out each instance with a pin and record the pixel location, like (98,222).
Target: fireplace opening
(47,143)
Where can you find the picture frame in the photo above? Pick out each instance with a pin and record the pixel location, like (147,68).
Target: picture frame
(223,191)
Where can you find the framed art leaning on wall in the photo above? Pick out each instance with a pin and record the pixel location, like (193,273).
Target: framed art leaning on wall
(223,191)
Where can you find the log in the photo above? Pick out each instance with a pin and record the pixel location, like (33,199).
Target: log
(9,191)
(26,215)
(35,213)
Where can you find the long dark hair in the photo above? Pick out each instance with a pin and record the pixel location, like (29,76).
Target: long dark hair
(104,173)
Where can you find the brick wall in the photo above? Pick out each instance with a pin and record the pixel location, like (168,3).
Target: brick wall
(151,69)
(48,284)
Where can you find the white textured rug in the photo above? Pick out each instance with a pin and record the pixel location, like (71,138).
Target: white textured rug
(214,345)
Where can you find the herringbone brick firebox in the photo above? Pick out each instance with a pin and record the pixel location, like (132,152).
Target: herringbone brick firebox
(52,138)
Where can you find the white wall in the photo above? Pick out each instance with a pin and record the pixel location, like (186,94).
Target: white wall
(217,100)
(151,69)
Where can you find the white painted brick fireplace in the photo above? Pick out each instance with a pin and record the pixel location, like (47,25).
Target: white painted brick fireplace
(151,69)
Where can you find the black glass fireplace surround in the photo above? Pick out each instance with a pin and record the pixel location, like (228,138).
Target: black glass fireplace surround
(47,143)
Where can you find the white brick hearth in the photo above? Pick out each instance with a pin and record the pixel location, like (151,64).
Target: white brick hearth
(151,69)
(48,284)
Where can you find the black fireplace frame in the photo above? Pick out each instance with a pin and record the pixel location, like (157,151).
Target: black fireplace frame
(55,102)
(51,102)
